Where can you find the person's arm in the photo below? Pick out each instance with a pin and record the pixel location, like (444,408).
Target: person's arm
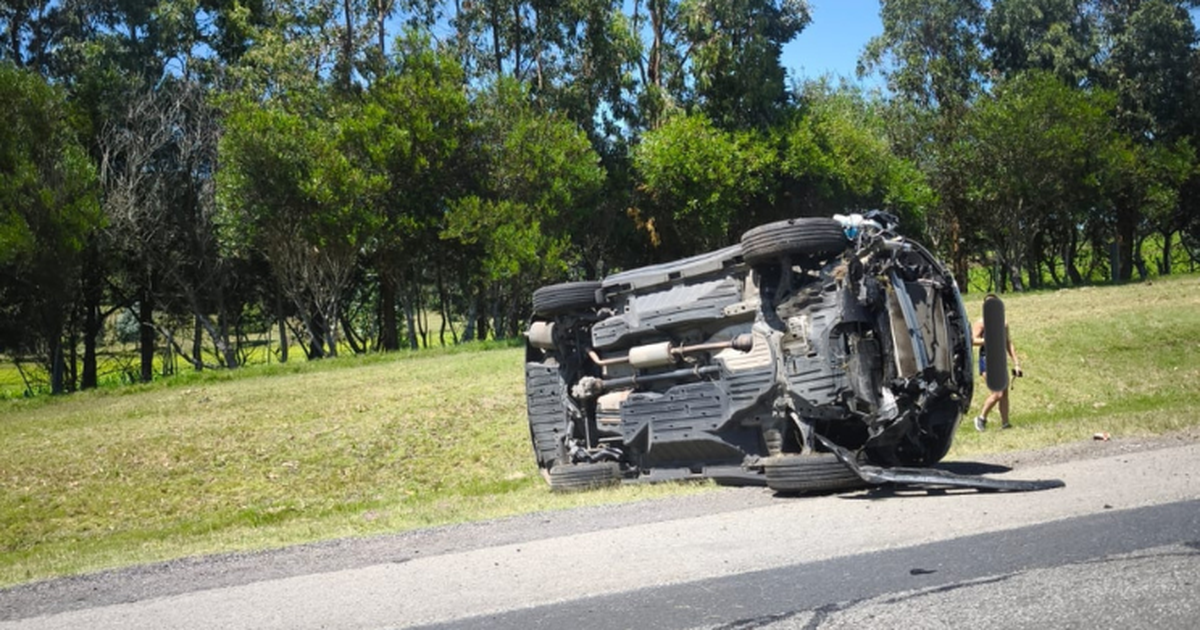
(1012,351)
(977,334)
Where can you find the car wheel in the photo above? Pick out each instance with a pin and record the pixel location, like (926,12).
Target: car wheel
(543,401)
(813,236)
(817,472)
(576,477)
(555,299)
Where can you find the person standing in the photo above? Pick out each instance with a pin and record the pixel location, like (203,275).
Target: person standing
(999,398)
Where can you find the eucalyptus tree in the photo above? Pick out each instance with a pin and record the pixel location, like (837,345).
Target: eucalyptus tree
(735,47)
(48,207)
(1150,65)
(1057,36)
(931,57)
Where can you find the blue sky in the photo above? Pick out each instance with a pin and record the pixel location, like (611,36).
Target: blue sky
(833,41)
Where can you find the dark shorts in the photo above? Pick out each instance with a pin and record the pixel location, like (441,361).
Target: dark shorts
(982,363)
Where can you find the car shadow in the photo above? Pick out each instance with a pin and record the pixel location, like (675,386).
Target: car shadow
(973,468)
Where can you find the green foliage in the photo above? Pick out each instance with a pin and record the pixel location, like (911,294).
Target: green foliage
(697,178)
(537,177)
(47,195)
(736,46)
(48,210)
(929,51)
(1056,36)
(840,156)
(1032,153)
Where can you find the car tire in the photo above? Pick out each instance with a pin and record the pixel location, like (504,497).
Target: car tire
(578,477)
(817,237)
(543,403)
(816,472)
(556,299)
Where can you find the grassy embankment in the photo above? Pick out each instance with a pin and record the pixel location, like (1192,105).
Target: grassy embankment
(283,454)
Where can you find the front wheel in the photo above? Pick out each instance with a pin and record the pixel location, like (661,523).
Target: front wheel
(578,477)
(816,472)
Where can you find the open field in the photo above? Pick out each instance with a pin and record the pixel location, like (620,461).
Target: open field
(282,454)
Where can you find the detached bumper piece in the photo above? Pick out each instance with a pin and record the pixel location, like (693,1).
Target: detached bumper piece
(878,475)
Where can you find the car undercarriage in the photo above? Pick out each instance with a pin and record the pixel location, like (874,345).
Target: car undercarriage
(813,348)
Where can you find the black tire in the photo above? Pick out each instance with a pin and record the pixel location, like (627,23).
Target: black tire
(547,418)
(995,344)
(577,477)
(556,299)
(818,472)
(817,237)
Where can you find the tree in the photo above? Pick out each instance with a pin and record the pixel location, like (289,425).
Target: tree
(735,47)
(697,181)
(412,134)
(48,207)
(158,164)
(930,54)
(288,189)
(1151,46)
(537,176)
(1033,154)
(1056,36)
(837,156)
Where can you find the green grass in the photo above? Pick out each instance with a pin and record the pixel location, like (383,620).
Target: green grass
(1125,360)
(282,454)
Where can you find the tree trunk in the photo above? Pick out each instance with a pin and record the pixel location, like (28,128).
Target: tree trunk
(221,336)
(444,305)
(422,318)
(91,330)
(316,336)
(1164,266)
(958,257)
(57,366)
(411,330)
(1068,255)
(280,317)
(1126,236)
(348,332)
(197,344)
(388,337)
(146,334)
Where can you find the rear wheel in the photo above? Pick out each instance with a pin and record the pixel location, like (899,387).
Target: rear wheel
(577,477)
(814,236)
(816,472)
(556,299)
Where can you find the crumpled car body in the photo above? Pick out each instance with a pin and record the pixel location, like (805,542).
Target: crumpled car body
(742,364)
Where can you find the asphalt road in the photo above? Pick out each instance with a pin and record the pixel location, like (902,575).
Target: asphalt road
(1118,547)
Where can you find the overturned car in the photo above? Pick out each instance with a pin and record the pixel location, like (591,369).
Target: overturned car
(811,348)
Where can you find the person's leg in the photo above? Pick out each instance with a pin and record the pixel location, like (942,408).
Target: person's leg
(988,404)
(1004,410)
